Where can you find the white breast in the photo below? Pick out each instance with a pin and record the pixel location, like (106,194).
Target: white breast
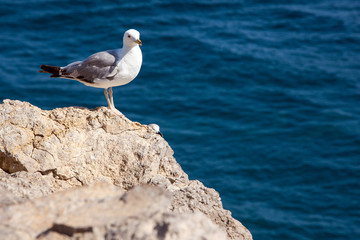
(128,67)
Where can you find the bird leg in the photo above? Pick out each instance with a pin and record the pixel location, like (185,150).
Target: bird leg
(111,102)
(107,98)
(111,97)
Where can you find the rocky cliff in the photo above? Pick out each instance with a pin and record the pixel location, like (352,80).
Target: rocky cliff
(75,173)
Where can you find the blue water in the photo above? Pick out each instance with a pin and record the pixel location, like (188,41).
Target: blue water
(259,100)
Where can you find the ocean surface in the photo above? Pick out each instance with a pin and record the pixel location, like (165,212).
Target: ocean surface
(259,99)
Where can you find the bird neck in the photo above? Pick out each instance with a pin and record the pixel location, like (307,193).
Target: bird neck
(127,48)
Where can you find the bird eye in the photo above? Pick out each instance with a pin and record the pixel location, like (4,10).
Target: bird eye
(128,36)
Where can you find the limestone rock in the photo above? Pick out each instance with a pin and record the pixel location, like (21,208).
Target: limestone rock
(43,152)
(103,211)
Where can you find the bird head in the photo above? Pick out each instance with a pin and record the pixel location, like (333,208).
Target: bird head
(131,38)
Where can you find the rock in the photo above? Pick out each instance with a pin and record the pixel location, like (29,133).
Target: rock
(104,211)
(22,185)
(43,152)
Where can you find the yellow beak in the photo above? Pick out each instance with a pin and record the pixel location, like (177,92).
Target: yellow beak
(138,42)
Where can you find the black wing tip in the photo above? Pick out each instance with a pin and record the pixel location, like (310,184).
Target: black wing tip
(50,69)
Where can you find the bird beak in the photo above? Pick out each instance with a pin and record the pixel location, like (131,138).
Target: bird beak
(138,42)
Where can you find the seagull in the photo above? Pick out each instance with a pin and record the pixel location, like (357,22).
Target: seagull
(105,69)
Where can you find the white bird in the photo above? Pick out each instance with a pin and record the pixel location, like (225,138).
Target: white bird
(105,69)
(156,128)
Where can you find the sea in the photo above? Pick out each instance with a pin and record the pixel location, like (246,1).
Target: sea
(259,100)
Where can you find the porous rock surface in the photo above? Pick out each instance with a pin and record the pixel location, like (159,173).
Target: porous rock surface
(62,171)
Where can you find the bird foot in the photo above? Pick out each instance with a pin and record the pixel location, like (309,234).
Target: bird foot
(117,112)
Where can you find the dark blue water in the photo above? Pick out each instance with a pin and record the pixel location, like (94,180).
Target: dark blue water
(259,100)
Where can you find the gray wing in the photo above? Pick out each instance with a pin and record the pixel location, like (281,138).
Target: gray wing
(98,66)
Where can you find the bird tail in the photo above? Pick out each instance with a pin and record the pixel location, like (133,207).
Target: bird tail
(55,71)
